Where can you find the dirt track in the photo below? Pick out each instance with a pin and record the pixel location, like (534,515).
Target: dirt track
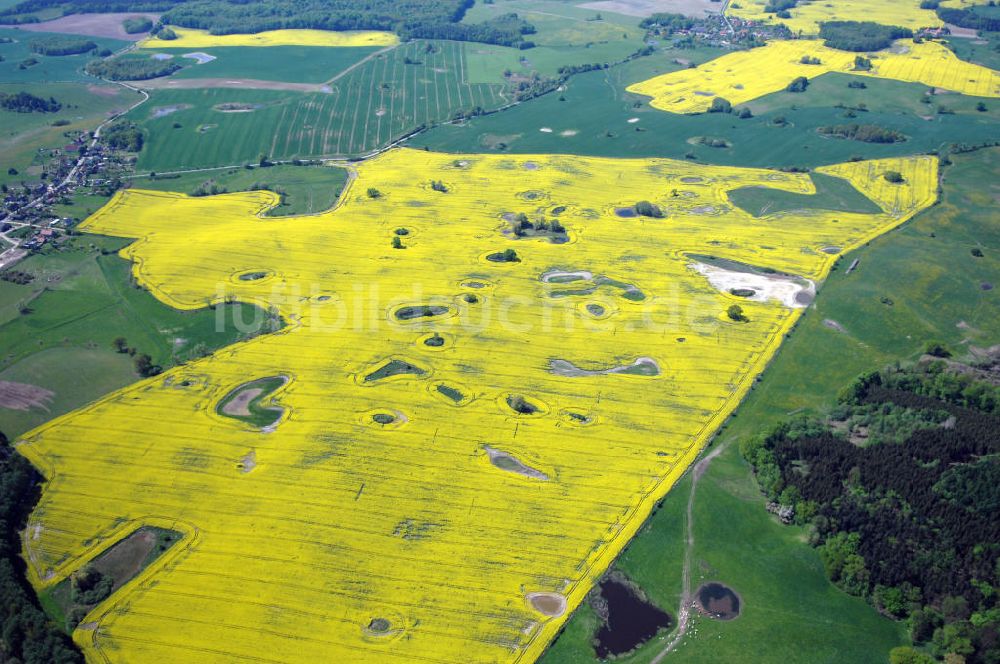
(236,83)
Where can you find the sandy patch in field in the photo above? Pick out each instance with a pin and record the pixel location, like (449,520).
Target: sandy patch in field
(833,325)
(91,25)
(649,7)
(239,406)
(632,120)
(569,132)
(546,130)
(22,396)
(789,291)
(103,90)
(548,604)
(645,365)
(199,57)
(964,33)
(163,111)
(240,84)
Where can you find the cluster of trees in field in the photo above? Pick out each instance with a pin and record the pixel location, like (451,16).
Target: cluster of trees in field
(780,7)
(666,23)
(861,36)
(61,46)
(28,636)
(900,492)
(131,69)
(25,102)
(137,25)
(866,133)
(411,19)
(123,135)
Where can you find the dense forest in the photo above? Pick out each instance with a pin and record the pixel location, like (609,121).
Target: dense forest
(861,36)
(61,46)
(968,17)
(27,635)
(131,69)
(411,19)
(900,490)
(25,102)
(123,135)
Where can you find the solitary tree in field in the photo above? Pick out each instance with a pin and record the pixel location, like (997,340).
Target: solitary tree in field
(374,193)
(894,177)
(735,312)
(120,345)
(720,105)
(397,243)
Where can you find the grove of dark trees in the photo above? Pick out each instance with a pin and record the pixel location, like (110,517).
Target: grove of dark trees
(861,36)
(26,634)
(907,516)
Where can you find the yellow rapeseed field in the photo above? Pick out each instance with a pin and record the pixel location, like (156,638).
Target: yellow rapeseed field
(743,76)
(190,38)
(806,17)
(446,487)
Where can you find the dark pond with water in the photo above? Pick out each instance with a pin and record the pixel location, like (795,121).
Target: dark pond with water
(719,601)
(631,620)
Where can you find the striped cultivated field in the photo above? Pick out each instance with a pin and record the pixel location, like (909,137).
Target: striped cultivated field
(366,107)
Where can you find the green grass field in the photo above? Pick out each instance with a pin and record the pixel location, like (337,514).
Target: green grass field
(791,613)
(307,189)
(986,54)
(566,35)
(22,134)
(372,105)
(54,69)
(291,64)
(832,193)
(80,301)
(591,117)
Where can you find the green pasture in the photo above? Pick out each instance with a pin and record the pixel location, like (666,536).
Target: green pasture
(57,331)
(50,69)
(306,189)
(832,193)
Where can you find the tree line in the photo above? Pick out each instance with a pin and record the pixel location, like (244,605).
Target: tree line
(27,634)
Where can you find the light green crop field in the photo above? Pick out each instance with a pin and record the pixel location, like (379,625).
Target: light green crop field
(291,64)
(372,105)
(916,284)
(22,134)
(50,69)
